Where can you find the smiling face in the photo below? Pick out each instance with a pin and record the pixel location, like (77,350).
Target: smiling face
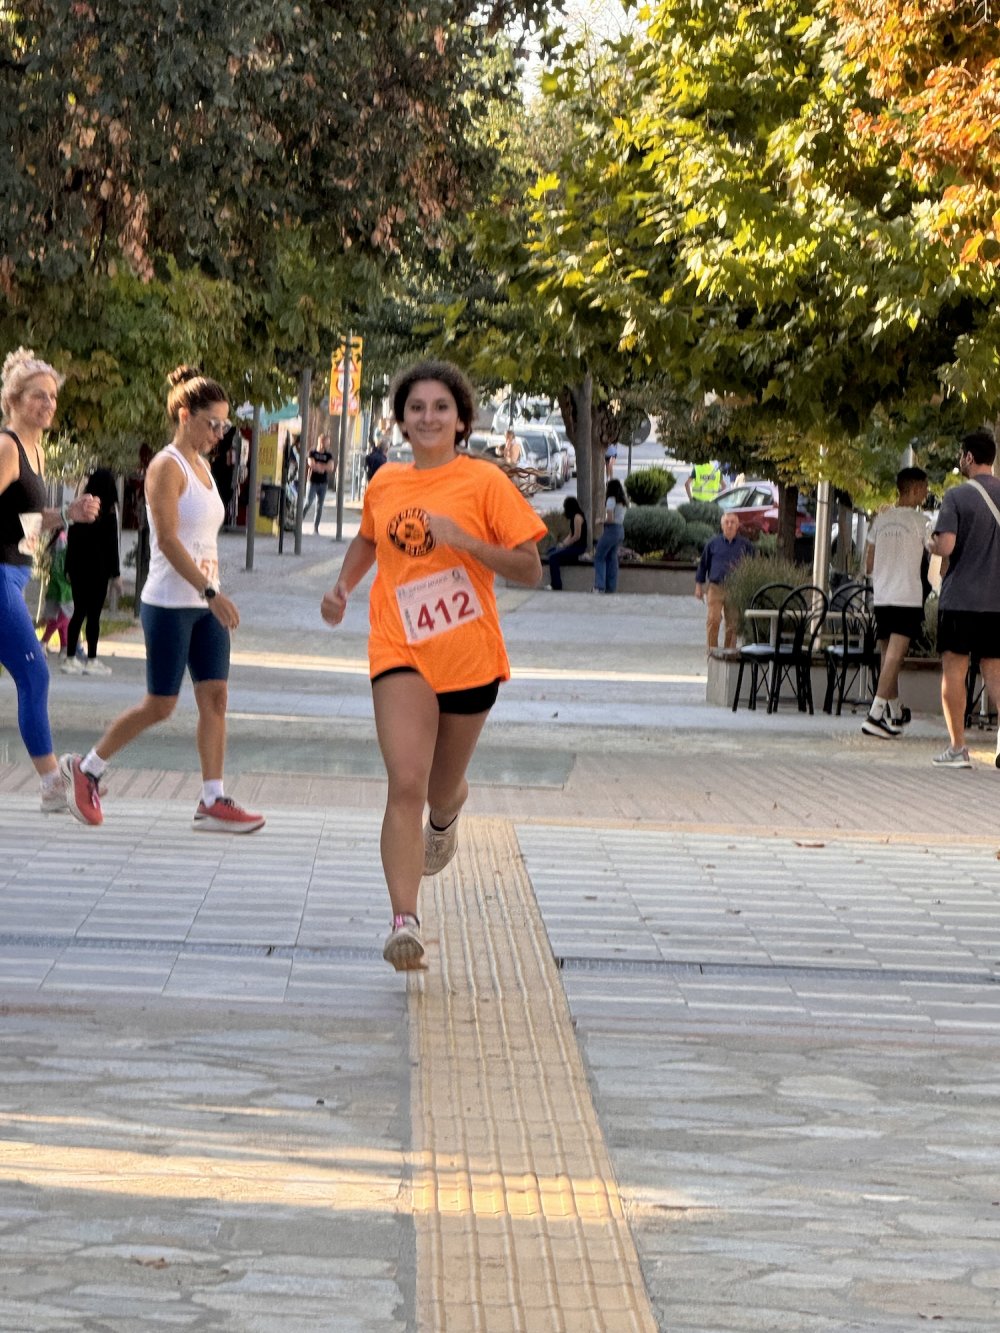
(430,417)
(35,406)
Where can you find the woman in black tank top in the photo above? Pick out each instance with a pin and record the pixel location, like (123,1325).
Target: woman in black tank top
(28,391)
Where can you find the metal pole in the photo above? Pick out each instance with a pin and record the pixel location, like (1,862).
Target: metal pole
(821,552)
(305,390)
(345,398)
(253,502)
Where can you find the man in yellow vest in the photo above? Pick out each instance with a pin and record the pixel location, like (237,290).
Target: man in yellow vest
(705,482)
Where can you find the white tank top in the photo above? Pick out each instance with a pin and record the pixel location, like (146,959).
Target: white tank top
(200,513)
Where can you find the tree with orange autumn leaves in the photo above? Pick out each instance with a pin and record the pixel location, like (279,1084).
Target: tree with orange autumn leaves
(936,64)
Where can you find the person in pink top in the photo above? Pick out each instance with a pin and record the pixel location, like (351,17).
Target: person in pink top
(186,619)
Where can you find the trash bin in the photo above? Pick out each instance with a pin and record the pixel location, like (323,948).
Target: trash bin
(270,500)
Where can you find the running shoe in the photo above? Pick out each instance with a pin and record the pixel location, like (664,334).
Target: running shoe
(95,667)
(83,794)
(879,726)
(72,667)
(404,948)
(53,800)
(440,845)
(902,719)
(225,816)
(950,758)
(997,759)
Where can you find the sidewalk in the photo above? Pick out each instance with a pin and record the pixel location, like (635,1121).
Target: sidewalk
(707,1040)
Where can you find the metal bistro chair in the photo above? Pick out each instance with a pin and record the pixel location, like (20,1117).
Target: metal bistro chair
(788,655)
(852,659)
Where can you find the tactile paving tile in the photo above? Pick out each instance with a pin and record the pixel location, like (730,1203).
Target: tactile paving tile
(518,1217)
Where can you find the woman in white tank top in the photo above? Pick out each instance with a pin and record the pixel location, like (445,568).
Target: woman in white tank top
(186,619)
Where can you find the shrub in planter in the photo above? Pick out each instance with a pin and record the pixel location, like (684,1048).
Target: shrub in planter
(698,535)
(750,575)
(701,511)
(558,528)
(651,528)
(649,485)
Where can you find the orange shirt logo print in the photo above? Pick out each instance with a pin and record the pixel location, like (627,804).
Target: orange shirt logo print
(409,532)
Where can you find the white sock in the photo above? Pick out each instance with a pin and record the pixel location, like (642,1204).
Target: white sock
(94,764)
(895,711)
(878,706)
(51,780)
(211,791)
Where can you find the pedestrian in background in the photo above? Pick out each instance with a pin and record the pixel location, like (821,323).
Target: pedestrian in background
(719,558)
(186,619)
(606,554)
(573,545)
(894,559)
(58,594)
(29,391)
(322,470)
(967,538)
(92,563)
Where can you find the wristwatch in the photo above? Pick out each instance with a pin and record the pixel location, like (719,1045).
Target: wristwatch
(209,592)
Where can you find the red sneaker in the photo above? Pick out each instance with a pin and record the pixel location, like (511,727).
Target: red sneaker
(83,795)
(225,816)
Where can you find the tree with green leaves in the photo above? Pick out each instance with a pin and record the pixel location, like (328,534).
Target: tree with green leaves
(774,257)
(231,181)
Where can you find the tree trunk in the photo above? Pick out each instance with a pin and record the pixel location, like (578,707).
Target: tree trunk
(788,501)
(575,401)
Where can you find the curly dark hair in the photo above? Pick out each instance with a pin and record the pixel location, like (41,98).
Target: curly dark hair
(446,373)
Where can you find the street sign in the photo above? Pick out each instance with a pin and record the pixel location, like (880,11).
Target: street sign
(636,430)
(337,379)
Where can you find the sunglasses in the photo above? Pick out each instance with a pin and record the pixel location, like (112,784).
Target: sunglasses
(216,426)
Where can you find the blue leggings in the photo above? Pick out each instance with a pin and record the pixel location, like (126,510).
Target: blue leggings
(24,658)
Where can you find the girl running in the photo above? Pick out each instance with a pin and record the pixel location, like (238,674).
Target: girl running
(438,529)
(186,620)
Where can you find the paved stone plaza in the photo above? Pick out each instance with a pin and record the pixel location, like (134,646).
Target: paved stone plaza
(708,1038)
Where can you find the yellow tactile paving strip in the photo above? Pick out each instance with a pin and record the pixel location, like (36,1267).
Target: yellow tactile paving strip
(518,1219)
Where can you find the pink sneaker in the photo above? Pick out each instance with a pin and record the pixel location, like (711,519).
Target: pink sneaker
(83,795)
(225,816)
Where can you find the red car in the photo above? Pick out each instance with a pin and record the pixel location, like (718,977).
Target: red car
(755,504)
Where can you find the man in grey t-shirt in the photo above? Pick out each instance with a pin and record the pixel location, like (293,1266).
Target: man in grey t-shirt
(967,537)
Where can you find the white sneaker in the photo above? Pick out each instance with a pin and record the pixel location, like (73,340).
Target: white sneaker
(440,846)
(950,758)
(72,667)
(53,799)
(404,948)
(95,667)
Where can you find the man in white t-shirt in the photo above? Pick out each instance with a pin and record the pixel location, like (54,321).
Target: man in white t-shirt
(894,558)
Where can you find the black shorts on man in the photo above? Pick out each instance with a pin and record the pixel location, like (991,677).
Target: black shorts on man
(905,620)
(969,633)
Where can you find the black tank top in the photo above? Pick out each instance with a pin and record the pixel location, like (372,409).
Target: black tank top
(26,495)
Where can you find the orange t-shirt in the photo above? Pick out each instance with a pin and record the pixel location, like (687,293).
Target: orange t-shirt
(432,607)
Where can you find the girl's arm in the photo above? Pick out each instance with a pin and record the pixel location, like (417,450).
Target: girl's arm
(357,562)
(520,565)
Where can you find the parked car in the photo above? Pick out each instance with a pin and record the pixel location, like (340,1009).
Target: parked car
(555,420)
(541,448)
(484,444)
(755,503)
(399,453)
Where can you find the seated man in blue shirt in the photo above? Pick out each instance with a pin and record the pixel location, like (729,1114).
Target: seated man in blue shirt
(718,559)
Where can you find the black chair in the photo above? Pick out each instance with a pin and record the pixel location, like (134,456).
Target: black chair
(787,656)
(852,659)
(979,708)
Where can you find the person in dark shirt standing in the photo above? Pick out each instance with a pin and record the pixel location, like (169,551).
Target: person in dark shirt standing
(322,467)
(967,537)
(718,559)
